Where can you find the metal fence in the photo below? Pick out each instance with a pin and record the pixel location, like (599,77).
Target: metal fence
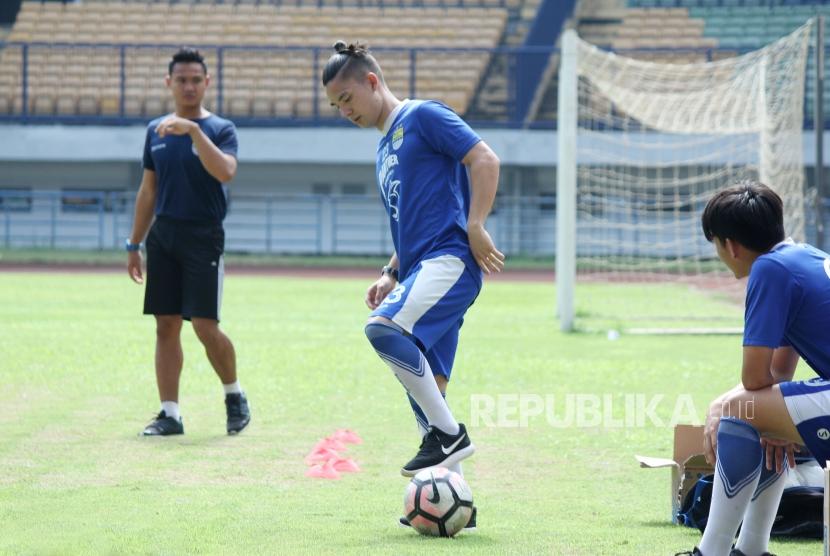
(280,224)
(305,224)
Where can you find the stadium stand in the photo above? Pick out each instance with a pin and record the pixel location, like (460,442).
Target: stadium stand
(492,99)
(648,33)
(743,25)
(684,31)
(272,51)
(271,54)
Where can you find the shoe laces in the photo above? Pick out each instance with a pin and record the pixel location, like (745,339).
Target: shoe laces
(429,441)
(234,405)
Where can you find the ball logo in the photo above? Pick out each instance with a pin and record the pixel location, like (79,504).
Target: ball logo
(397,137)
(823,434)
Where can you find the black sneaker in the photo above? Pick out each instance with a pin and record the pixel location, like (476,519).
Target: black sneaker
(163,425)
(471,525)
(694,552)
(736,552)
(239,415)
(439,449)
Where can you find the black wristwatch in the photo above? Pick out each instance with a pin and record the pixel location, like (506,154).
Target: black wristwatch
(389,271)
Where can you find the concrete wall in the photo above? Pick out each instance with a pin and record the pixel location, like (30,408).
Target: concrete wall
(287,160)
(271,160)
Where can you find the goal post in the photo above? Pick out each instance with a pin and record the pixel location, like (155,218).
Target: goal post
(642,145)
(566,182)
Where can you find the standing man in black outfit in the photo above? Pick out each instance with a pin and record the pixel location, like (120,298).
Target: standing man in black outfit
(188,155)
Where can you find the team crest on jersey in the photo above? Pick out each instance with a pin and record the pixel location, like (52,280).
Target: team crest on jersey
(397,137)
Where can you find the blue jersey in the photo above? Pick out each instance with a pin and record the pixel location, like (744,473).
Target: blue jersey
(185,189)
(788,303)
(423,184)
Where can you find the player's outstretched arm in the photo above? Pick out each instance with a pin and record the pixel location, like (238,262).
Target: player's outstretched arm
(145,201)
(483,165)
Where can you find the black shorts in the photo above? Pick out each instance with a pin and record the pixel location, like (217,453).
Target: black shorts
(185,269)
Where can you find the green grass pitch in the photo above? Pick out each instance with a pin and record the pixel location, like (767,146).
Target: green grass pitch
(76,386)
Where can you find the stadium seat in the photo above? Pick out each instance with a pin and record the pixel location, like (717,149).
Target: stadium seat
(242,24)
(740,25)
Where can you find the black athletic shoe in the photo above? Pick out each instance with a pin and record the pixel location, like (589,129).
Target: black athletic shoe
(239,415)
(439,449)
(736,552)
(471,525)
(694,552)
(163,425)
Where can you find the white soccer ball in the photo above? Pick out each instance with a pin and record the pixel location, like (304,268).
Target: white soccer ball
(438,502)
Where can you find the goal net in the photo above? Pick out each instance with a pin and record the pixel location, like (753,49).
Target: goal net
(642,146)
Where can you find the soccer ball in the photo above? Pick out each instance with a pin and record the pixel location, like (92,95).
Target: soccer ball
(438,502)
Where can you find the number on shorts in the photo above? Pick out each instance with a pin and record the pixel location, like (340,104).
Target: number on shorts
(395,295)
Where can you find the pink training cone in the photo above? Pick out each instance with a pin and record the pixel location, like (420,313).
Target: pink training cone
(321,455)
(345,465)
(330,443)
(348,436)
(323,471)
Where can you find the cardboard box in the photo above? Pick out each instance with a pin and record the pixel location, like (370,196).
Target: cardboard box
(687,464)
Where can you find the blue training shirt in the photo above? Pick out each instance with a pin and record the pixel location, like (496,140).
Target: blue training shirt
(185,189)
(788,303)
(423,184)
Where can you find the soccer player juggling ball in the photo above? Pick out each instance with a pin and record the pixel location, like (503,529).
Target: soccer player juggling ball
(437,180)
(752,430)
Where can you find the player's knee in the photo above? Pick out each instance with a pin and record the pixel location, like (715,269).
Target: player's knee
(206,330)
(739,449)
(379,334)
(738,405)
(168,326)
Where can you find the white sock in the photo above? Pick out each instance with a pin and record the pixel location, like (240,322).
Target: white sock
(171,409)
(425,392)
(724,518)
(413,371)
(232,388)
(738,470)
(760,515)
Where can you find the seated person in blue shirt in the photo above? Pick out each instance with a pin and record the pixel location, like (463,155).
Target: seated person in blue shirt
(752,430)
